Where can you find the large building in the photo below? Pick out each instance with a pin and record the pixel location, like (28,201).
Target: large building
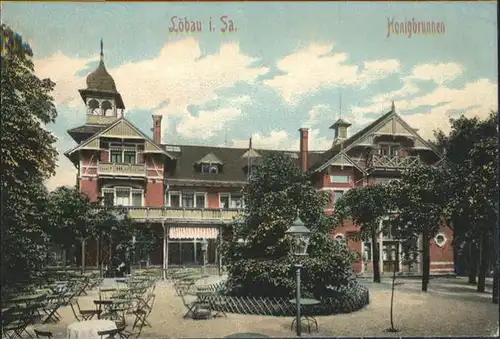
(189,193)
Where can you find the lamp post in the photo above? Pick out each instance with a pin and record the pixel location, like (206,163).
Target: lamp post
(298,235)
(204,248)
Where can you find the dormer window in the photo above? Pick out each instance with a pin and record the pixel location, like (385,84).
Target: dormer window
(209,164)
(209,168)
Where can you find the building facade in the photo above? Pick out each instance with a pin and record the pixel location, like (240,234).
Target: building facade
(187,194)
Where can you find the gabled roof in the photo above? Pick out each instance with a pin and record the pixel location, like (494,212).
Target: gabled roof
(82,133)
(210,158)
(128,124)
(343,146)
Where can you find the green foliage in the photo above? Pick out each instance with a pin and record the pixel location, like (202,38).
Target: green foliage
(263,266)
(366,207)
(28,156)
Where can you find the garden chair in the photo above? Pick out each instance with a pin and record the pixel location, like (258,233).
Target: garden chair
(194,307)
(42,334)
(51,306)
(143,310)
(19,320)
(83,315)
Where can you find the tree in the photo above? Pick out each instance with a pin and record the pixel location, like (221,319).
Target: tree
(28,157)
(366,206)
(420,198)
(75,219)
(262,266)
(471,148)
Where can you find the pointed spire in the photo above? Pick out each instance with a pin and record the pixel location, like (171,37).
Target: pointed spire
(340,104)
(250,143)
(393,107)
(102,52)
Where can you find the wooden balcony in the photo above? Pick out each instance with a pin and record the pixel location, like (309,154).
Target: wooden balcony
(183,215)
(123,170)
(391,162)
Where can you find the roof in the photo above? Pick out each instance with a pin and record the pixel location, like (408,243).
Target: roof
(341,122)
(100,79)
(338,147)
(234,164)
(82,133)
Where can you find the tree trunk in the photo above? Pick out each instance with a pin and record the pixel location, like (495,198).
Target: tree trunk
(425,260)
(495,282)
(376,256)
(83,256)
(484,258)
(472,265)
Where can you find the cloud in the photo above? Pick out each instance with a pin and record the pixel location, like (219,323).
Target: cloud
(310,69)
(63,70)
(476,98)
(440,73)
(208,123)
(280,139)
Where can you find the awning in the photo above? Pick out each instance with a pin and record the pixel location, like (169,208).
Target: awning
(193,232)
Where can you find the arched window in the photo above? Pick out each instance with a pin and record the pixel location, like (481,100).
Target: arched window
(93,106)
(106,106)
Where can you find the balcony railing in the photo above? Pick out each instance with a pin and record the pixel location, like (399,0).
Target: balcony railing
(392,161)
(132,170)
(183,215)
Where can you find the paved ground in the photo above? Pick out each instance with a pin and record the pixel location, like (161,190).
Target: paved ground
(449,308)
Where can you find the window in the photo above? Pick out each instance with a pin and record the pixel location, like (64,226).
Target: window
(174,199)
(209,169)
(109,198)
(188,200)
(124,196)
(129,157)
(440,239)
(367,251)
(337,195)
(340,179)
(136,198)
(200,200)
(116,157)
(236,201)
(231,200)
(224,201)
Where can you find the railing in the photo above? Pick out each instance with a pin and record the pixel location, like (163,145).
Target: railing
(392,161)
(133,170)
(100,119)
(175,214)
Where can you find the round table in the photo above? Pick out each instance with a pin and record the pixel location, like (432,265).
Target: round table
(88,329)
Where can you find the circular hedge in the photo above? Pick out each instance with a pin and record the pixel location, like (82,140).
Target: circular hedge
(345,299)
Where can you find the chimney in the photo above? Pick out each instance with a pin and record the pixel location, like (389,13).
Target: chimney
(157,128)
(304,145)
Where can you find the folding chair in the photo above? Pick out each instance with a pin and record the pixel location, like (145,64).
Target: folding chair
(193,307)
(111,334)
(83,315)
(144,308)
(42,334)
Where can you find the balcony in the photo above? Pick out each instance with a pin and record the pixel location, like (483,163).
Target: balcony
(183,215)
(391,162)
(122,170)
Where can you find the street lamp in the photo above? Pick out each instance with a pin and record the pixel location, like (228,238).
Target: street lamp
(298,235)
(204,248)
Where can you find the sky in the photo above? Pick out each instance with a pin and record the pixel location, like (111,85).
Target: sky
(276,68)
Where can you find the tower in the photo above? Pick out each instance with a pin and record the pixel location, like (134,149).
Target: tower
(103,102)
(340,130)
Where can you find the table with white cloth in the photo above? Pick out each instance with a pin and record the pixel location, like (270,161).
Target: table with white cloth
(88,329)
